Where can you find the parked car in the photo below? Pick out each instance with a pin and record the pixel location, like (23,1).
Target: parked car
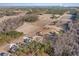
(13,47)
(74,16)
(4,54)
(27,39)
(66,27)
(77,31)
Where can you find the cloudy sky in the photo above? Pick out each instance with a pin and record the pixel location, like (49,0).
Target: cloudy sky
(39,4)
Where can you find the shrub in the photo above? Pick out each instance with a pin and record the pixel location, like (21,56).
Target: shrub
(34,48)
(30,18)
(13,34)
(56,11)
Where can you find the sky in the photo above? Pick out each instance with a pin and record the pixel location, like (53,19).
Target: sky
(39,4)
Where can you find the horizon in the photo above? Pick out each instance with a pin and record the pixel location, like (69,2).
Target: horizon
(41,4)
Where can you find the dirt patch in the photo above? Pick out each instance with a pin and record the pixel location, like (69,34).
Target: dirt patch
(32,28)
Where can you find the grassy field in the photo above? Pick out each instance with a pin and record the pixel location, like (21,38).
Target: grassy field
(8,36)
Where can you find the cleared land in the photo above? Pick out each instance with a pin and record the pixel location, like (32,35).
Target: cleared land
(32,28)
